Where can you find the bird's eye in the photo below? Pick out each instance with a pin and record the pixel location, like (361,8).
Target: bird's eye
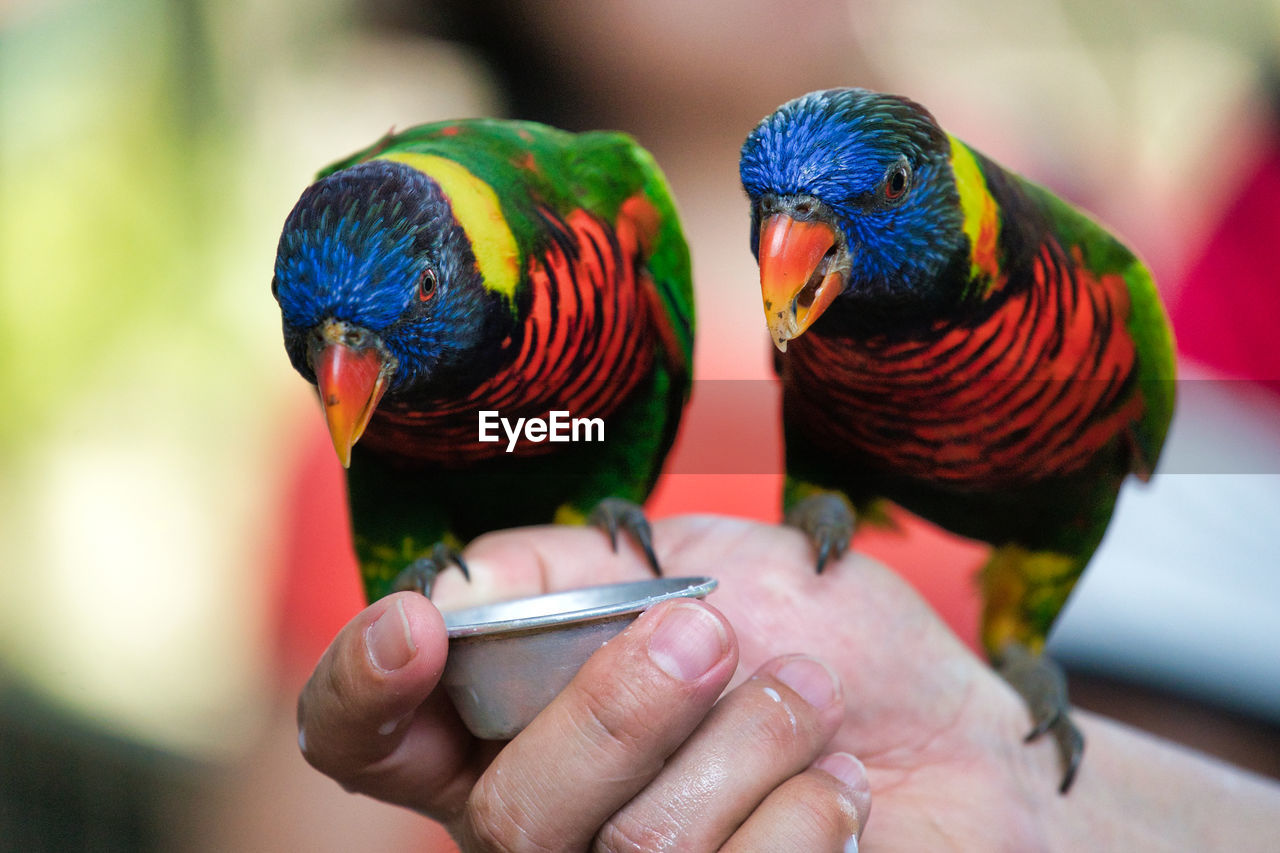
(426,285)
(896,181)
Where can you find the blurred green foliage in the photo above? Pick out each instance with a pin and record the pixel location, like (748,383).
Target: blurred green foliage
(138,417)
(149,152)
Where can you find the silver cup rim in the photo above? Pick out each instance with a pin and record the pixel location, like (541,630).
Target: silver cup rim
(568,607)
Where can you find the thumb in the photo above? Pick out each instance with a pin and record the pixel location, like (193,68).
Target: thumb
(368,717)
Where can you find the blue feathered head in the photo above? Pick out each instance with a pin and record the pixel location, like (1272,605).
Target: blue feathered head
(380,292)
(852,195)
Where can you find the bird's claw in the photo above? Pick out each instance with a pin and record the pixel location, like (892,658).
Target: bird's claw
(828,521)
(420,575)
(613,514)
(1043,687)
(1070,750)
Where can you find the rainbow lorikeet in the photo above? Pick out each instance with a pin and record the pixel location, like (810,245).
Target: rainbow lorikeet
(958,341)
(454,278)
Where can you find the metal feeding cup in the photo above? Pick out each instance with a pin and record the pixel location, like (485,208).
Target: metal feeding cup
(508,660)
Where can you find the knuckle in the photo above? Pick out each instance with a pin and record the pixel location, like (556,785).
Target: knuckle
(328,694)
(780,728)
(625,834)
(612,720)
(821,809)
(325,708)
(493,823)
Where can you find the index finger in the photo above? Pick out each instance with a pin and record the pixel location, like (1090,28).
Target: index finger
(528,561)
(533,560)
(607,735)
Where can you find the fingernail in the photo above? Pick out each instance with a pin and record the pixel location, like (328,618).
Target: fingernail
(389,640)
(811,678)
(853,775)
(688,642)
(845,767)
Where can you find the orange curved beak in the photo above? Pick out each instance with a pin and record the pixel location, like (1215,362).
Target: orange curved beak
(351,382)
(794,277)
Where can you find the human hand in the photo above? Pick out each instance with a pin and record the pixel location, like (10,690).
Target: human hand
(635,754)
(939,733)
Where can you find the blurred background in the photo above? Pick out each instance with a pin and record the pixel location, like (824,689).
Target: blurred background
(173,544)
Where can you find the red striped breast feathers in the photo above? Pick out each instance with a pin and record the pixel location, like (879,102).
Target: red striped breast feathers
(585,344)
(1033,391)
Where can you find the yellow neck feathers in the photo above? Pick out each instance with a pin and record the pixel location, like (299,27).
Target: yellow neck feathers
(981,217)
(476,207)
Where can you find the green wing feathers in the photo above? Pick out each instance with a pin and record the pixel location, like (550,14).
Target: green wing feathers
(1151,332)
(669,262)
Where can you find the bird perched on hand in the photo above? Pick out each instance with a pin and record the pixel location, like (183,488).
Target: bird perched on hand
(958,341)
(488,266)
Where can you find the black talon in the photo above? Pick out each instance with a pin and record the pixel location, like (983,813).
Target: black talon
(1043,687)
(614,513)
(420,575)
(827,519)
(609,522)
(1070,751)
(462,566)
(824,551)
(1043,726)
